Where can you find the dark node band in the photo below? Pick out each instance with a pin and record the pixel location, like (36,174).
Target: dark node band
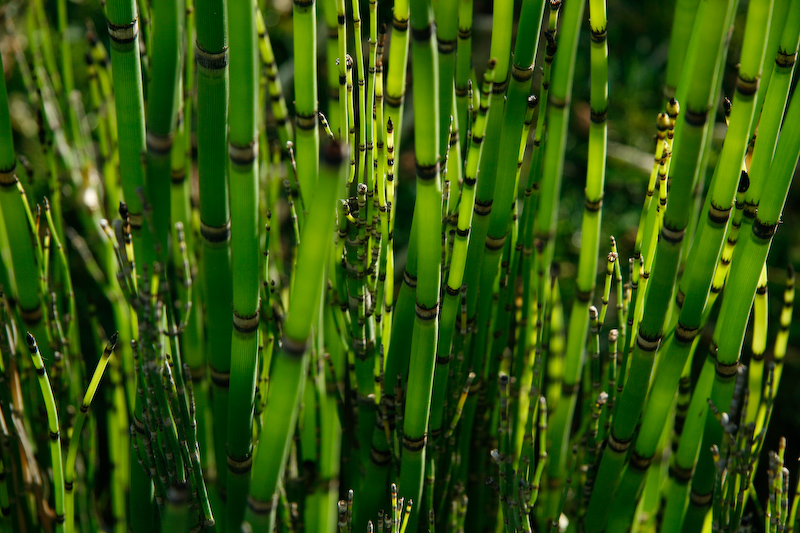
(750,209)
(393,101)
(718,215)
(293,347)
(426,313)
(138,425)
(123,33)
(40,371)
(215,233)
(762,230)
(640,462)
(583,296)
(521,74)
(219,378)
(8,176)
(453,292)
(599,35)
(619,446)
(699,500)
(400,24)
(159,144)
(444,359)
(178,175)
(593,206)
(646,343)
(409,279)
(598,116)
(685,334)
(681,474)
(306,121)
(465,33)
(785,59)
(569,390)
(726,370)
(696,118)
(672,235)
(31,316)
(53,435)
(379,457)
(427,172)
(415,445)
(495,243)
(421,34)
(747,86)
(84,408)
(462,233)
(211,60)
(341,19)
(260,507)
(679,298)
(245,324)
(178,494)
(483,207)
(243,155)
(558,103)
(446,46)
(240,465)
(500,87)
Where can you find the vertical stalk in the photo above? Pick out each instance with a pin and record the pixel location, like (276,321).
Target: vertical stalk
(290,364)
(243,172)
(709,32)
(305,94)
(211,54)
(165,70)
(427,214)
(544,226)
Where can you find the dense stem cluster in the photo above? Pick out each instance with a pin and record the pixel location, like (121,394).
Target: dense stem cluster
(213,227)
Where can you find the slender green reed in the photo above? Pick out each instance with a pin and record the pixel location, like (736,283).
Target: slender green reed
(243,180)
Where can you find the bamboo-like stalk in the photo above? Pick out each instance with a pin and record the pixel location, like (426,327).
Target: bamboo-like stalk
(682,23)
(398,65)
(23,265)
(706,249)
(305,90)
(552,170)
(745,273)
(708,33)
(428,240)
(464,71)
(290,364)
(243,178)
(211,54)
(69,475)
(123,29)
(452,297)
(165,70)
(55,436)
(330,12)
(505,186)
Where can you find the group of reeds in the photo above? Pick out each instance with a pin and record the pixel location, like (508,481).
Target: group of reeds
(206,324)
